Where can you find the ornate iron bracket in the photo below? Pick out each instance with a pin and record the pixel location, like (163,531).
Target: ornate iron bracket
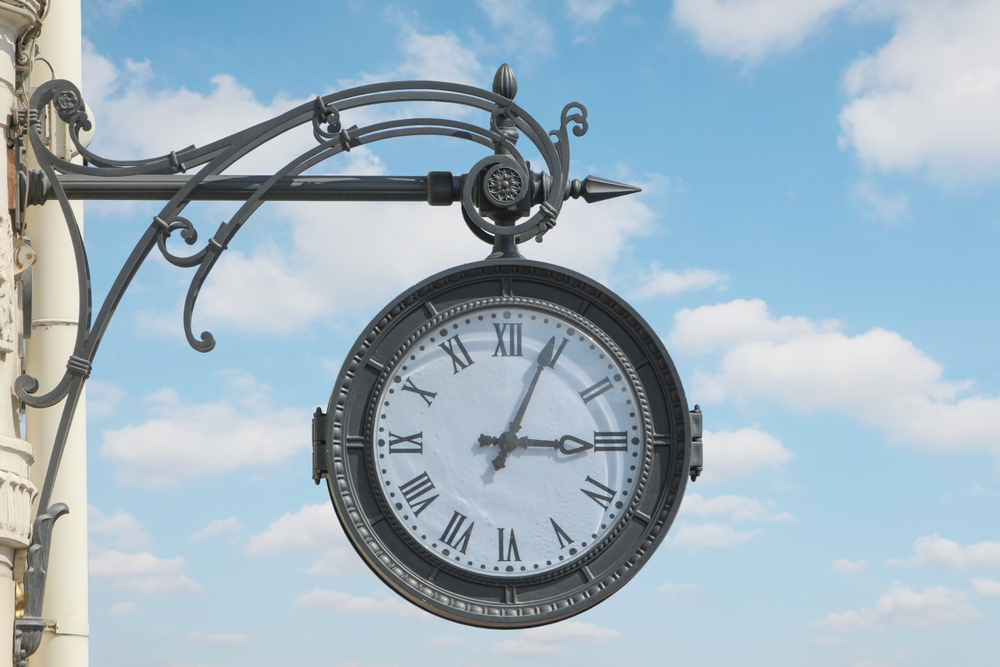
(28,629)
(496,195)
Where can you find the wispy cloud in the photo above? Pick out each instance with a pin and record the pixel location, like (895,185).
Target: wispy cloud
(904,607)
(554,639)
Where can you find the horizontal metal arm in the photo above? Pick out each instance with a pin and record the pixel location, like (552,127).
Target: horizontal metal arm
(438,188)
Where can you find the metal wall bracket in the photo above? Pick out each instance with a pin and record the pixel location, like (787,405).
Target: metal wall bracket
(496,195)
(28,629)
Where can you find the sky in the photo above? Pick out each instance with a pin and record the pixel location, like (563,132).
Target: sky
(815,243)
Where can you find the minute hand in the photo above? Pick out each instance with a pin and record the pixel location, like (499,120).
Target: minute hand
(544,358)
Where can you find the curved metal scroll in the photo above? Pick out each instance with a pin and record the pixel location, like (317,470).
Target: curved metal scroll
(506,167)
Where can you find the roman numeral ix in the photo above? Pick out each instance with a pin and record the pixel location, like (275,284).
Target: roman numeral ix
(412,490)
(406,444)
(457,363)
(508,340)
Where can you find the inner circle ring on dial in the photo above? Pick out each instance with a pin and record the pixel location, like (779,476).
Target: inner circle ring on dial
(473,307)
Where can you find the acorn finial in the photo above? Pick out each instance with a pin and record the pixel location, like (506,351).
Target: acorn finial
(504,83)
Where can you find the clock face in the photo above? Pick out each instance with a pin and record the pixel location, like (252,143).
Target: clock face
(507,444)
(508,439)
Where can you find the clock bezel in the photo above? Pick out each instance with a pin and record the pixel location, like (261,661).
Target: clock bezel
(483,600)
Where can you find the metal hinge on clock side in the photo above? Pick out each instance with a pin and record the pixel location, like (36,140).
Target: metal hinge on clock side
(697,452)
(319,446)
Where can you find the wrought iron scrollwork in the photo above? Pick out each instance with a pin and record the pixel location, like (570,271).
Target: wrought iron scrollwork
(499,190)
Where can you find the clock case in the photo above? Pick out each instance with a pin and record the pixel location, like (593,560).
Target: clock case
(480,599)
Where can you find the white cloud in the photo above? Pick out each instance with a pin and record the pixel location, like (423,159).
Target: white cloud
(928,99)
(217,527)
(881,207)
(933,550)
(903,607)
(522,30)
(122,609)
(660,282)
(553,639)
(711,535)
(447,642)
(217,639)
(672,591)
(313,530)
(126,530)
(181,441)
(986,587)
(142,572)
(271,289)
(751,30)
(102,398)
(590,11)
(845,565)
(334,601)
(877,377)
(433,57)
(738,454)
(723,326)
(735,508)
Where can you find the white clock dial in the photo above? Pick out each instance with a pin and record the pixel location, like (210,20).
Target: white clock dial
(508,440)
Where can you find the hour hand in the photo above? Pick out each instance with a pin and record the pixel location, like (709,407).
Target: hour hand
(566,444)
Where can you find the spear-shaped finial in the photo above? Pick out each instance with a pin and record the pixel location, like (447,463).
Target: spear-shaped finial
(594,189)
(504,83)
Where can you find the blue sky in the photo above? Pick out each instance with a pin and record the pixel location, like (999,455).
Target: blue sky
(815,243)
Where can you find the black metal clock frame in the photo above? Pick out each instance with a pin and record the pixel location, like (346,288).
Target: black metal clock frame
(495,195)
(411,569)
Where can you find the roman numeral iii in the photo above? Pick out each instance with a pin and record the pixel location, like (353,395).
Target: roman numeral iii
(508,340)
(590,393)
(406,444)
(450,535)
(457,363)
(426,395)
(412,490)
(511,546)
(606,441)
(603,496)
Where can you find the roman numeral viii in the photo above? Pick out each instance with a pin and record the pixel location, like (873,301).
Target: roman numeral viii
(406,444)
(426,395)
(511,546)
(508,340)
(457,363)
(606,441)
(603,496)
(412,491)
(450,535)
(590,393)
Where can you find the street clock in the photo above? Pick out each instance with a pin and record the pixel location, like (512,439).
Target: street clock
(507,443)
